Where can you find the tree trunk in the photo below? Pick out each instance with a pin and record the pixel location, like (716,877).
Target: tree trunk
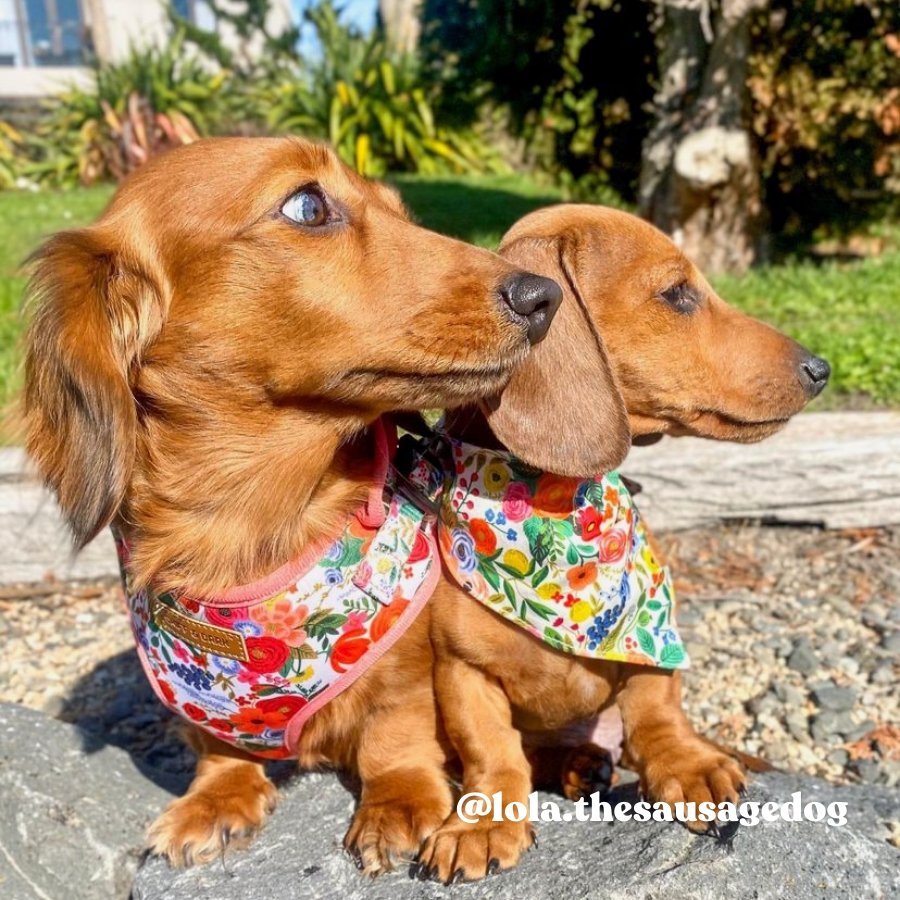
(401,21)
(699,174)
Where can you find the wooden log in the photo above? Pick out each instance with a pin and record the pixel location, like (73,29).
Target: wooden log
(838,470)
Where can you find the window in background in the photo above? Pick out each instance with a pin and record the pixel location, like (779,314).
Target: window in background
(197,12)
(42,33)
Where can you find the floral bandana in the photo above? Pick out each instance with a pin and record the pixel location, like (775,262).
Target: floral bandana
(566,559)
(252,666)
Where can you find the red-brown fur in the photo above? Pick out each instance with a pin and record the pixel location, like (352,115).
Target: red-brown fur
(712,372)
(201,372)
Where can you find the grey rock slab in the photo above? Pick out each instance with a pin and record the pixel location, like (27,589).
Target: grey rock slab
(73,822)
(834,697)
(298,855)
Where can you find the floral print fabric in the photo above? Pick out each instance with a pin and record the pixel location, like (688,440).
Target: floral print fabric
(252,673)
(566,559)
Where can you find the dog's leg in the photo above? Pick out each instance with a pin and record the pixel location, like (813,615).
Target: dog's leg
(478,720)
(675,764)
(405,794)
(225,805)
(575,771)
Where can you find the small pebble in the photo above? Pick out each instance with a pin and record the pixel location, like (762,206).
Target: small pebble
(831,696)
(802,659)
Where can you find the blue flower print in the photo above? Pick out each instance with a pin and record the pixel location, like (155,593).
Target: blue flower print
(463,548)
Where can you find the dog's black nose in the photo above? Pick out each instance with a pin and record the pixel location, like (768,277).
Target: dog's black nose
(534,299)
(814,373)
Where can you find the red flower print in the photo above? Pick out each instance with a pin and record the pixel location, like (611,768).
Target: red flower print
(220,724)
(554,495)
(420,549)
(484,537)
(225,616)
(355,620)
(581,576)
(386,617)
(363,575)
(189,604)
(166,690)
(589,521)
(283,707)
(266,654)
(253,720)
(193,712)
(349,649)
(613,545)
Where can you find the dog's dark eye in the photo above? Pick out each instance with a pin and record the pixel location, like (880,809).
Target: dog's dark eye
(681,297)
(307,207)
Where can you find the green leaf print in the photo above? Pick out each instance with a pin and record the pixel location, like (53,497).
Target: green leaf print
(645,639)
(545,612)
(572,557)
(510,593)
(539,576)
(654,604)
(324,622)
(555,639)
(490,575)
(672,655)
(351,553)
(540,535)
(594,494)
(644,618)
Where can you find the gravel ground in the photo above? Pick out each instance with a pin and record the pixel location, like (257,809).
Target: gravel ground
(794,635)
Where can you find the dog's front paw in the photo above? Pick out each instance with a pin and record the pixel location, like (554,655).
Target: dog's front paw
(587,769)
(224,813)
(693,772)
(385,833)
(463,851)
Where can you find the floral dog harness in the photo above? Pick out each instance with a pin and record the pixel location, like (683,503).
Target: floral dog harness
(566,559)
(253,665)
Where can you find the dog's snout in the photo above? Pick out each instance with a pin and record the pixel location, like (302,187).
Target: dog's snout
(814,373)
(534,299)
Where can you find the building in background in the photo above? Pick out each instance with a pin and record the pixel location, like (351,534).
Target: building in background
(47,44)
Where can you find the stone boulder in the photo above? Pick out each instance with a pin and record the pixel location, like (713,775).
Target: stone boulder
(74,818)
(73,821)
(299,855)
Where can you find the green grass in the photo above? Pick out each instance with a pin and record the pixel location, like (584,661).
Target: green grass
(477,209)
(26,218)
(847,312)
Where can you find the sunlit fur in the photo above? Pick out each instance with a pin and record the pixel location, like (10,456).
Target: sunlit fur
(711,371)
(201,371)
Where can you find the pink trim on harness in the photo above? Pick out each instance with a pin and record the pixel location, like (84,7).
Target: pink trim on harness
(253,665)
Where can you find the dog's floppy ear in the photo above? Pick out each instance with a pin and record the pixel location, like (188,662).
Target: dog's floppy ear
(562,410)
(92,312)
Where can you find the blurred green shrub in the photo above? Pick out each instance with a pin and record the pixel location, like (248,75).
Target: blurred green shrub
(11,142)
(578,79)
(372,105)
(157,98)
(825,89)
